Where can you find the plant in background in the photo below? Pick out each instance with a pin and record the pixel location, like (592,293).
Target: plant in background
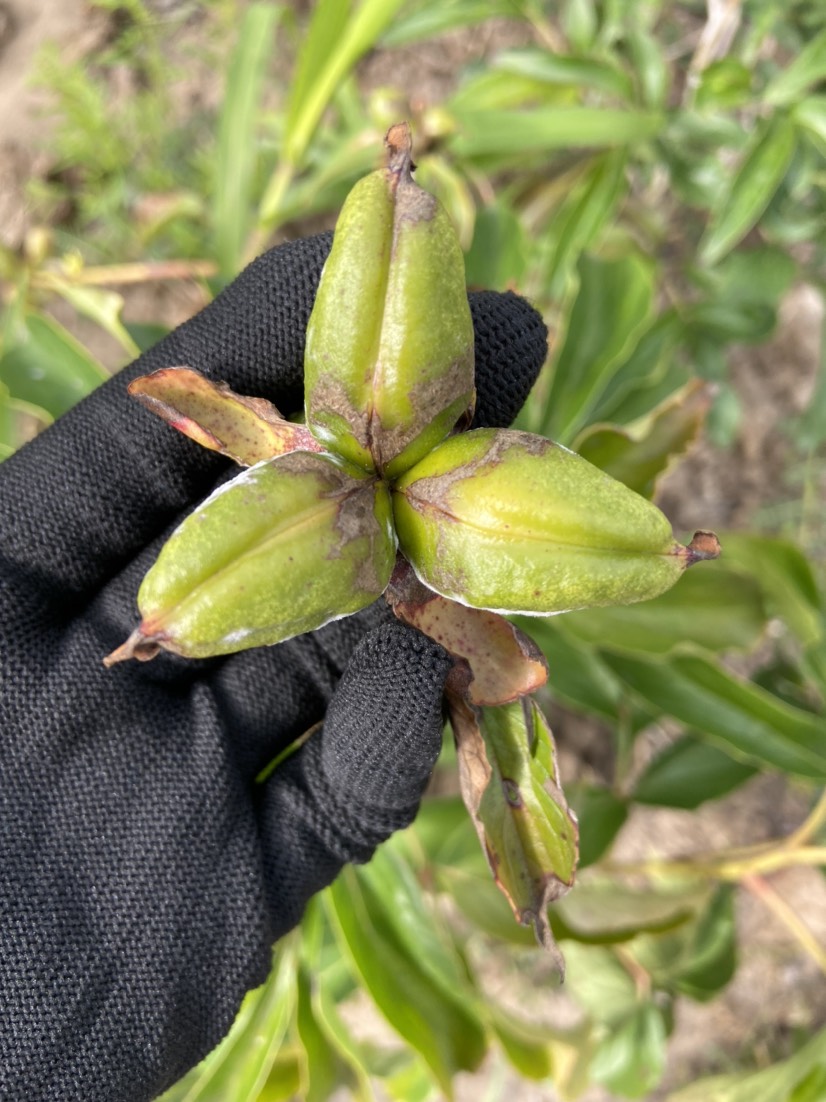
(650,176)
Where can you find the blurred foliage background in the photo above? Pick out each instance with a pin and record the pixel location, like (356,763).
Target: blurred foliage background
(651,175)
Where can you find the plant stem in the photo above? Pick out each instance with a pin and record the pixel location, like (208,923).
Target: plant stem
(742,861)
(762,890)
(772,861)
(641,977)
(121,274)
(811,824)
(545,31)
(723,866)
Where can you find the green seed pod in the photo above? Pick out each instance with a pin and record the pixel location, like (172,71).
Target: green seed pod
(509,521)
(389,354)
(285,547)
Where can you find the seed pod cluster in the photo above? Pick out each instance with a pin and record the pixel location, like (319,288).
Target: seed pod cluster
(493,519)
(381,492)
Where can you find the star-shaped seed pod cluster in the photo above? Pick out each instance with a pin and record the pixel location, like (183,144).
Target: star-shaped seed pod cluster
(386,490)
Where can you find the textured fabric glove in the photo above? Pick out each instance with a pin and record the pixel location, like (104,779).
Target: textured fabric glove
(144,874)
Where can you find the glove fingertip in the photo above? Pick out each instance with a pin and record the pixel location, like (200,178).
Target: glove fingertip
(511,347)
(383,729)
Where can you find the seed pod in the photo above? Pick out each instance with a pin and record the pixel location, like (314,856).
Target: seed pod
(510,785)
(509,521)
(389,354)
(285,547)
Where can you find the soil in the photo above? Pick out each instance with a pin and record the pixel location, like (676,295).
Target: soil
(777,989)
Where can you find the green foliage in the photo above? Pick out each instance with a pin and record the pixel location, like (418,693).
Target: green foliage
(801,1078)
(656,203)
(236,152)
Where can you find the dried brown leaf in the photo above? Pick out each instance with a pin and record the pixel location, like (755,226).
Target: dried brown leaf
(244,429)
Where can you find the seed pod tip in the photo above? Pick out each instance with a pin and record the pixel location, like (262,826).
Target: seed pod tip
(703,547)
(140,646)
(398,147)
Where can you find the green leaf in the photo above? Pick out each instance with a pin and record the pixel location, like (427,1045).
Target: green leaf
(498,255)
(784,575)
(526,1045)
(514,134)
(576,72)
(603,911)
(481,902)
(601,814)
(410,1080)
(315,57)
(689,772)
(338,36)
(351,1052)
(13,428)
(728,319)
(725,417)
(328,983)
(445,833)
(335,164)
(750,722)
(390,880)
(723,84)
(760,274)
(433,19)
(497,90)
(329,1056)
(751,188)
(583,216)
(715,608)
(237,151)
(437,175)
(579,22)
(649,66)
(810,114)
(700,957)
(103,307)
(811,1088)
(648,377)
(146,334)
(433,1017)
(638,456)
(787,1081)
(710,957)
(813,665)
(599,983)
(631,1060)
(8,426)
(284,1081)
(322,1069)
(238,1068)
(577,675)
(610,312)
(789,677)
(48,367)
(808,68)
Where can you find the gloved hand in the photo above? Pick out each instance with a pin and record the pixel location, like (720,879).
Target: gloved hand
(144,874)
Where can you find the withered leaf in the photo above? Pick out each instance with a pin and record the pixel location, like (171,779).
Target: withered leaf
(244,429)
(498,662)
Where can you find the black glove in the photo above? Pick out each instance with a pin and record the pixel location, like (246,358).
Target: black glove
(144,875)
